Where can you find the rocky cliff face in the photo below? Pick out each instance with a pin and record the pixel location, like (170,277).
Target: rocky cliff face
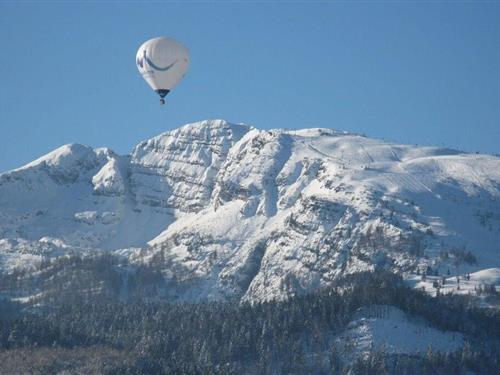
(235,212)
(178,169)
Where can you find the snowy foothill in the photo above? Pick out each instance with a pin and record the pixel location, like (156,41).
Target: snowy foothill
(388,329)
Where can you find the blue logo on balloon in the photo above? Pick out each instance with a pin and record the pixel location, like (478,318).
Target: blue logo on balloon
(144,59)
(140,60)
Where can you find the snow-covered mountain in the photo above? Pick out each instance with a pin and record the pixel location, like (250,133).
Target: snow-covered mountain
(236,212)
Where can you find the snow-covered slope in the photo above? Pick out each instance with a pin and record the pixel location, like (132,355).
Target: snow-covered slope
(235,211)
(388,329)
(94,199)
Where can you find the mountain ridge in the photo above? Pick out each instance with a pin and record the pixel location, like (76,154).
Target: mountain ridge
(240,212)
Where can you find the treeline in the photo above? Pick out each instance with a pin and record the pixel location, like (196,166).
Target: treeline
(89,278)
(293,336)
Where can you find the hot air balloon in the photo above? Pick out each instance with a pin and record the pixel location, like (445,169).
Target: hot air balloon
(162,62)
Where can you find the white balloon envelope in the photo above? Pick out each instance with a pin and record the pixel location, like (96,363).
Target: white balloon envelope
(162,62)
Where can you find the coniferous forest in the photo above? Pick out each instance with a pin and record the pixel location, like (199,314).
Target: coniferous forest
(84,332)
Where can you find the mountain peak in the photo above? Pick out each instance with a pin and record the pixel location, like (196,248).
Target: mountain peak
(63,156)
(207,131)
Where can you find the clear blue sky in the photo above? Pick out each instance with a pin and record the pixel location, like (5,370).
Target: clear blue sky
(426,73)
